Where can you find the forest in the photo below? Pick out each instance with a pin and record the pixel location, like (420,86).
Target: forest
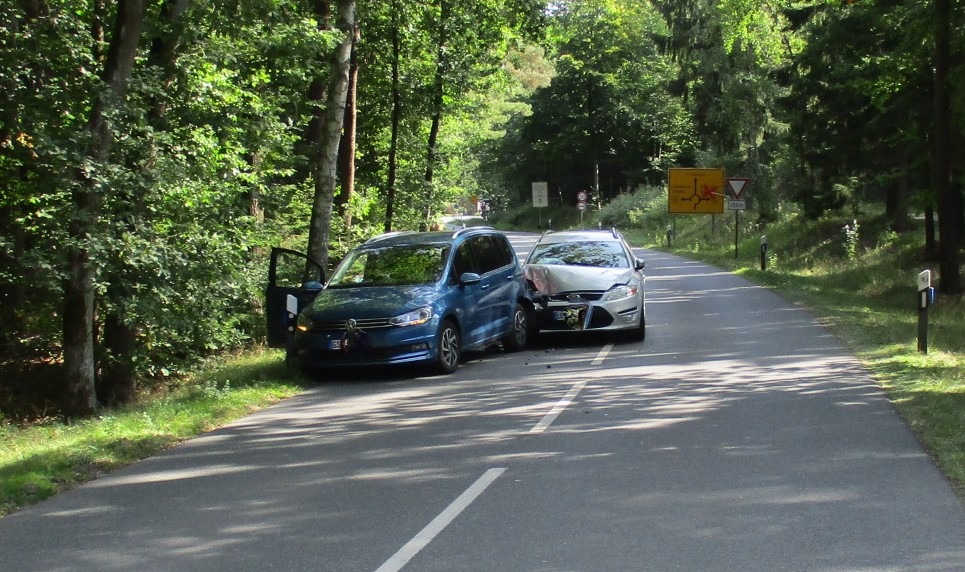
(153,151)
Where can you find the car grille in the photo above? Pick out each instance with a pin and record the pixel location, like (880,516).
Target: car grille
(360,356)
(600,318)
(577,297)
(369,324)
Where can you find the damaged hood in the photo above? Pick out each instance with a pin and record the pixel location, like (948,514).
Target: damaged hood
(552,279)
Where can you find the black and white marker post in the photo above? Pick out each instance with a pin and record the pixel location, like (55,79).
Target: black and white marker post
(926,297)
(764,253)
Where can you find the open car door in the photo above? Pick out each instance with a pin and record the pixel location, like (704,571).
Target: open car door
(287,277)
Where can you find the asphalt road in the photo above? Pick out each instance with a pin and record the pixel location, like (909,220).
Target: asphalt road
(739,436)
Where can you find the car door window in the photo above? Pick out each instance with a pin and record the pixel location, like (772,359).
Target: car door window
(505,250)
(462,261)
(488,254)
(291,269)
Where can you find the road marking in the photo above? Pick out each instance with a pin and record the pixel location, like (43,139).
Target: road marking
(425,536)
(602,355)
(562,404)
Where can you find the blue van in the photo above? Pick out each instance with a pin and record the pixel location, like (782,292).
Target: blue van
(405,297)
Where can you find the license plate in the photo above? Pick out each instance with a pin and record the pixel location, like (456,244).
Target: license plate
(572,317)
(335,344)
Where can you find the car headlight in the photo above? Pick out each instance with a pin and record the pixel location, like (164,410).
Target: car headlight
(413,318)
(620,292)
(304,323)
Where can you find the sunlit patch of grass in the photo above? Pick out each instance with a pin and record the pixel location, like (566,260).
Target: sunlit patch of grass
(929,391)
(39,460)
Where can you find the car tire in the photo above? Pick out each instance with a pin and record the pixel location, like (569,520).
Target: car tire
(519,335)
(448,347)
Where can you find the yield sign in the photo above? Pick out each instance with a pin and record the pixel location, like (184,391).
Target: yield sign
(737,187)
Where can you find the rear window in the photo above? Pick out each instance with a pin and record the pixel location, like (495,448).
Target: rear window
(584,253)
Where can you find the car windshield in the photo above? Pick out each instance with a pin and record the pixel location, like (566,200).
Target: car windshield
(391,266)
(584,253)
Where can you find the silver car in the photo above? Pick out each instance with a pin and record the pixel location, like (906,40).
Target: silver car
(587,280)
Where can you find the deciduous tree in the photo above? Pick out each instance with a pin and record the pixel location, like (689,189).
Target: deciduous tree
(325,163)
(79,294)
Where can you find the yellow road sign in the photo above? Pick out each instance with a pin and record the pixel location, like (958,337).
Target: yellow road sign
(695,191)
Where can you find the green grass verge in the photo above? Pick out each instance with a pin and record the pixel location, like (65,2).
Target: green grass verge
(42,459)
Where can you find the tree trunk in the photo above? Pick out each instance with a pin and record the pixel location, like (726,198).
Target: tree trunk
(317,93)
(396,119)
(949,219)
(432,155)
(347,151)
(117,384)
(438,100)
(79,366)
(78,324)
(164,48)
(326,162)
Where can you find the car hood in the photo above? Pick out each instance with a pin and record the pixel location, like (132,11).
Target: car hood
(371,302)
(552,279)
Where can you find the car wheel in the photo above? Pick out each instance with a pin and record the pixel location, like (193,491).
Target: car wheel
(449,347)
(517,338)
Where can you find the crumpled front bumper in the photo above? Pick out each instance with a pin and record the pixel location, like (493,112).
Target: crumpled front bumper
(577,313)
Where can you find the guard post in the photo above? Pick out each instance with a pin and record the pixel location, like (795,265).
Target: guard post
(764,252)
(669,235)
(926,297)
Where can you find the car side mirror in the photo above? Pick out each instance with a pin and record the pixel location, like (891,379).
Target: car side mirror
(313,286)
(467,278)
(640,264)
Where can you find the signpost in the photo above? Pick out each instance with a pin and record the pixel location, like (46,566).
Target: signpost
(695,191)
(540,194)
(540,198)
(736,203)
(581,198)
(737,186)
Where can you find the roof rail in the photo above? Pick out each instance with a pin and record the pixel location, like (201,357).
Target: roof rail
(613,230)
(464,230)
(388,235)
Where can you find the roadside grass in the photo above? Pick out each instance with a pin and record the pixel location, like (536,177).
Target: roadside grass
(869,300)
(41,459)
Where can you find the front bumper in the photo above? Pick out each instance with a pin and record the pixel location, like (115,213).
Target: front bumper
(338,348)
(558,315)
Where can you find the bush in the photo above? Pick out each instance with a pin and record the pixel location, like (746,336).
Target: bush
(644,209)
